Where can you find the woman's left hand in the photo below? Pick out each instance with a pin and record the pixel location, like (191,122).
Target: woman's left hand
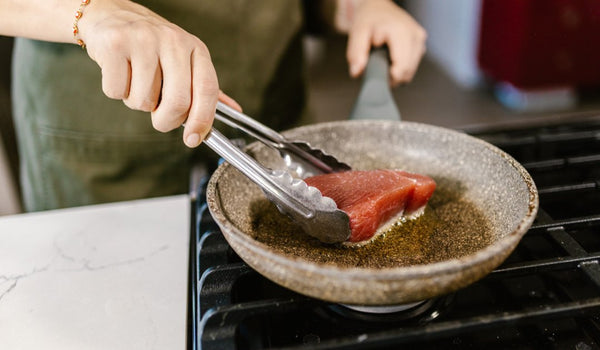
(381,22)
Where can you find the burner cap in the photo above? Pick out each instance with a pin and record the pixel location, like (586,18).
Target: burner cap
(418,312)
(385,309)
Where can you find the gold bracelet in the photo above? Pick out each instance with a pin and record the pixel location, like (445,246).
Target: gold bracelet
(78,16)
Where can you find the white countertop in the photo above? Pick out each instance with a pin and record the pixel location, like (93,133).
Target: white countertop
(111,276)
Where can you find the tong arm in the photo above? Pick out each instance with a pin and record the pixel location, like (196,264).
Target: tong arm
(318,215)
(240,121)
(297,154)
(254,171)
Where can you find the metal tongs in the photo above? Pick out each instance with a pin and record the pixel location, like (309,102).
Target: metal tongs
(317,215)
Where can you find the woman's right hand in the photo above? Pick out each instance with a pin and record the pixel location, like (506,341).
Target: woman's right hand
(153,65)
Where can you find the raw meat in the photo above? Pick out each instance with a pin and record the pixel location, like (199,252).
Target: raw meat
(371,198)
(424,187)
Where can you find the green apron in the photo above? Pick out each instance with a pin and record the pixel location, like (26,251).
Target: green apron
(78,147)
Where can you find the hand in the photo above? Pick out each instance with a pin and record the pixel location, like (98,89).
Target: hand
(379,22)
(154,66)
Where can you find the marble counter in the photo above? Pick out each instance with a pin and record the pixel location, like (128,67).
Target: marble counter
(110,276)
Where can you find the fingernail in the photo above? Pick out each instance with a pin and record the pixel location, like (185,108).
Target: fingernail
(192,140)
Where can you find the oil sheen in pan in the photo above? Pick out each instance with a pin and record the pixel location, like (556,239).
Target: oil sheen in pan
(451,227)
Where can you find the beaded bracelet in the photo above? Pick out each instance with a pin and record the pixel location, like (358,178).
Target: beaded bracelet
(78,16)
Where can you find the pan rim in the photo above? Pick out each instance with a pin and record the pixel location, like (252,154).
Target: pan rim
(388,273)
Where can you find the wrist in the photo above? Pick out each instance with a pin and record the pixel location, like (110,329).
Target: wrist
(91,12)
(78,15)
(346,12)
(48,20)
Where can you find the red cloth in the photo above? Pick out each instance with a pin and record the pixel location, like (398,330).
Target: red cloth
(541,43)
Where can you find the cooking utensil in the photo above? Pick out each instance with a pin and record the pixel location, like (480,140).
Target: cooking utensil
(484,202)
(375,100)
(299,156)
(318,215)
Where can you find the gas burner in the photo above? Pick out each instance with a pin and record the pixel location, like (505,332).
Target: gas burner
(419,312)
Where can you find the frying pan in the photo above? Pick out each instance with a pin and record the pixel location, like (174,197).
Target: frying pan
(483,204)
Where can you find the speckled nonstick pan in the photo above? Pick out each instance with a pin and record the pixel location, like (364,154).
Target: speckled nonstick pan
(484,202)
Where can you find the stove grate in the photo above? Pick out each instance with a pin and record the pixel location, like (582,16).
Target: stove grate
(545,295)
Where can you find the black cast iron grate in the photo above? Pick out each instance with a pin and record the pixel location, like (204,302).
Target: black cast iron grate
(545,296)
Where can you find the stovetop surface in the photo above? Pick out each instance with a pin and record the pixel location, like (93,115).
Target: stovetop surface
(546,295)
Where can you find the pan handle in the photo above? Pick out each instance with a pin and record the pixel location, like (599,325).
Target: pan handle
(375,100)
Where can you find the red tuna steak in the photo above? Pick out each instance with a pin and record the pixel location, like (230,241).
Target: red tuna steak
(424,187)
(373,197)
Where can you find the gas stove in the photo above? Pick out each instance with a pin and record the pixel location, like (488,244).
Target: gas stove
(545,295)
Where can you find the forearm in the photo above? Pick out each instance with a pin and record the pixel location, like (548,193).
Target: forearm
(49,20)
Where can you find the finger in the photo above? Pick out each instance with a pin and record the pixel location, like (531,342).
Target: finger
(145,85)
(359,45)
(229,101)
(414,48)
(176,94)
(401,57)
(417,53)
(205,91)
(378,38)
(116,75)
